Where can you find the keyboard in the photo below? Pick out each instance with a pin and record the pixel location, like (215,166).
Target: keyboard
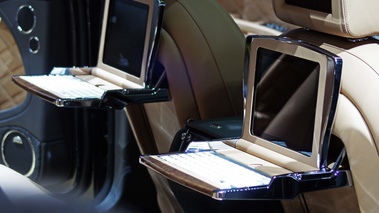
(217,170)
(66,86)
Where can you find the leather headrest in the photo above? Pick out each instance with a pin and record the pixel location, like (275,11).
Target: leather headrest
(346,18)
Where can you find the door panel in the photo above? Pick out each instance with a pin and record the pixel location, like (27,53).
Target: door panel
(37,138)
(87,153)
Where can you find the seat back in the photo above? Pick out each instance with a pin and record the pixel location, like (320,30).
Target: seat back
(348,18)
(346,28)
(202,51)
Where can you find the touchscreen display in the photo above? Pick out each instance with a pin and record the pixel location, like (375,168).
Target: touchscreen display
(319,5)
(285,98)
(125,36)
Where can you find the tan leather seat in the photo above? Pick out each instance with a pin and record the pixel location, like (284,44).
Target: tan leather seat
(348,30)
(202,50)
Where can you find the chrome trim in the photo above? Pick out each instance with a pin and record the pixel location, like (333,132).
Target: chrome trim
(31,9)
(29,141)
(34,50)
(332,89)
(288,186)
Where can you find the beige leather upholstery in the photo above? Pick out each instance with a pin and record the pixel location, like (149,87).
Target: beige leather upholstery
(349,18)
(356,122)
(356,119)
(202,50)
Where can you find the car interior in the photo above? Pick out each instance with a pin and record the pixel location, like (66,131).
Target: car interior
(88,159)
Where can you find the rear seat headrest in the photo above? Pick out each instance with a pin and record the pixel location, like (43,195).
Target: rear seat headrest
(346,18)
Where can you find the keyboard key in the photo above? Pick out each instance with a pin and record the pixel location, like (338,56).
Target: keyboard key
(218,170)
(66,86)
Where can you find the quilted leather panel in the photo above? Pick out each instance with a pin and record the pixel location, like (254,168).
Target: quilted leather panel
(10,64)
